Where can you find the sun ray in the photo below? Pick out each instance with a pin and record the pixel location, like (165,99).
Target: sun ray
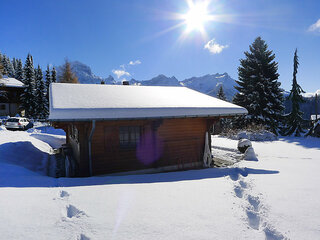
(158,34)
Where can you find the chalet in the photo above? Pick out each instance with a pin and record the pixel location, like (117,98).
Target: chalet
(117,128)
(315,126)
(10,91)
(316,131)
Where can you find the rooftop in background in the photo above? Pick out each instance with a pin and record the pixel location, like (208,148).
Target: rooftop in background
(106,102)
(11,82)
(315,117)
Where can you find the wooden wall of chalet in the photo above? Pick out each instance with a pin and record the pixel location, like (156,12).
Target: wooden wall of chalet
(175,142)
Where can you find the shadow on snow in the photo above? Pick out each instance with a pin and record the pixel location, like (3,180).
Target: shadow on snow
(22,155)
(307,142)
(190,175)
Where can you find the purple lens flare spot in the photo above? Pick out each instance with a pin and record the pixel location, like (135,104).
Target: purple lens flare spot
(150,148)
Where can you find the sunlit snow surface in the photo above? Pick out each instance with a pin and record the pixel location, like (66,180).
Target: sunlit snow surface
(274,198)
(99,101)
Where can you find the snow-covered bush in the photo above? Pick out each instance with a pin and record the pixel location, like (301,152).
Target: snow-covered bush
(250,155)
(243,144)
(253,133)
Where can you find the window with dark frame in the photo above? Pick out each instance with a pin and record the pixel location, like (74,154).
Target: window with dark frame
(129,136)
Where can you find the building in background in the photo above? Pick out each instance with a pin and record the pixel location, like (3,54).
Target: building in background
(10,91)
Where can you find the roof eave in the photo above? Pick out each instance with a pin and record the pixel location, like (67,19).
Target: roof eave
(143,118)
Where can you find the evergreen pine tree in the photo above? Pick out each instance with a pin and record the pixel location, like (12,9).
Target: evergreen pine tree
(48,78)
(14,63)
(1,67)
(221,94)
(27,97)
(47,84)
(3,94)
(40,99)
(223,121)
(4,63)
(10,68)
(67,76)
(316,106)
(54,75)
(19,71)
(294,118)
(258,86)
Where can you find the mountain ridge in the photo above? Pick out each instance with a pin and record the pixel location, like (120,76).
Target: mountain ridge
(208,84)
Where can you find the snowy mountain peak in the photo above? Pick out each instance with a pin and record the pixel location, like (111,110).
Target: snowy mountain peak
(161,80)
(81,67)
(209,83)
(309,95)
(84,73)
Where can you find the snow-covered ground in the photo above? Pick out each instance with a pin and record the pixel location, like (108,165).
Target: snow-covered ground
(276,197)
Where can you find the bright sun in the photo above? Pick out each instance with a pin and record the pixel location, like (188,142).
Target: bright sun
(197,16)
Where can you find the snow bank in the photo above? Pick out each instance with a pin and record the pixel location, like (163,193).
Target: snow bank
(28,150)
(26,154)
(45,128)
(250,155)
(55,141)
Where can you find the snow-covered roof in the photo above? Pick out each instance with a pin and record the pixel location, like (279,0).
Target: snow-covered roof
(314,117)
(11,82)
(95,101)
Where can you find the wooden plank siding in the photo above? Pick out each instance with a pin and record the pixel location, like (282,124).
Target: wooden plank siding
(163,142)
(177,141)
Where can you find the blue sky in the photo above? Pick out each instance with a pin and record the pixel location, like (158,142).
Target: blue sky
(107,35)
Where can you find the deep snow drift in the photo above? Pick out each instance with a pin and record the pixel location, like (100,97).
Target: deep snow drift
(276,197)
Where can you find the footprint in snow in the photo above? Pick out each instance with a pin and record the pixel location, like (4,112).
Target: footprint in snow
(234,176)
(273,234)
(64,194)
(243,184)
(253,219)
(254,202)
(82,237)
(72,211)
(238,191)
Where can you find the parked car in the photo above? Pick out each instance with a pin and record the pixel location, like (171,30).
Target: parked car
(18,123)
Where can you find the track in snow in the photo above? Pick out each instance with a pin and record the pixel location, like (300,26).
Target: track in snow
(255,212)
(72,218)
